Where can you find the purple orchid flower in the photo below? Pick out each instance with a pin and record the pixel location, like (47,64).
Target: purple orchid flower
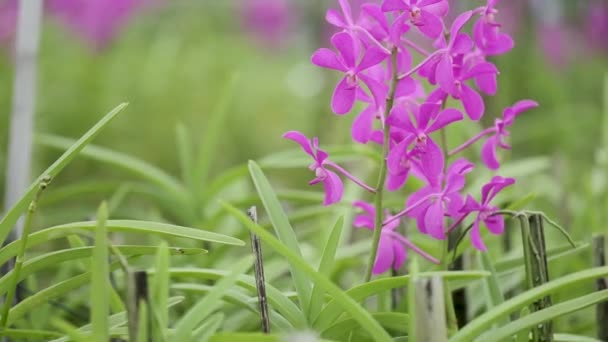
(435,201)
(488,151)
(392,250)
(334,188)
(485,211)
(344,95)
(486,32)
(483,73)
(269,20)
(428,119)
(424,14)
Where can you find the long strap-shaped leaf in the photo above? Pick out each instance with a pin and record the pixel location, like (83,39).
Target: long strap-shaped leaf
(127,226)
(43,262)
(276,298)
(357,312)
(12,215)
(544,315)
(333,310)
(283,230)
(477,326)
(205,307)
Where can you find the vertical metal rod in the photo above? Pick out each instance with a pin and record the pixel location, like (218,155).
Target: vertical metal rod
(599,260)
(260,282)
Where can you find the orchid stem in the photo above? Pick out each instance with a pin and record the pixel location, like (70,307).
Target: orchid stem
(417,67)
(472,140)
(406,210)
(350,176)
(390,99)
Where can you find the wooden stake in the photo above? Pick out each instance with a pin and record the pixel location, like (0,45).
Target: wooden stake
(599,260)
(260,282)
(429,309)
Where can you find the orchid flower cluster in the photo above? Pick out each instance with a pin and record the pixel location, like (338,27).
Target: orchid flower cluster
(375,53)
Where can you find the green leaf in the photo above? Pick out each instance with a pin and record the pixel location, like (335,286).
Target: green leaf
(245,337)
(240,299)
(545,315)
(123,161)
(52,259)
(128,226)
(28,334)
(117,320)
(556,254)
(160,291)
(284,231)
(184,152)
(12,215)
(394,321)
(327,261)
(573,338)
(486,320)
(100,296)
(491,284)
(201,310)
(333,310)
(46,295)
(347,303)
(276,298)
(213,132)
(208,328)
(143,326)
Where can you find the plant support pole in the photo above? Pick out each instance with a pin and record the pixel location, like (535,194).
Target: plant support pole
(24,102)
(599,260)
(260,281)
(537,272)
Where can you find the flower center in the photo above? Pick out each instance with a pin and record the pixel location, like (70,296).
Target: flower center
(415,14)
(351,79)
(320,173)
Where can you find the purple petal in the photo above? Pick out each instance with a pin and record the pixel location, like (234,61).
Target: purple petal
(399,117)
(345,44)
(430,25)
(473,102)
(385,256)
(488,153)
(462,44)
(501,45)
(470,205)
(326,58)
(444,74)
(301,139)
(445,118)
(424,3)
(405,87)
(373,56)
(459,22)
(510,113)
(393,5)
(334,188)
(476,237)
(432,162)
(454,204)
(415,198)
(396,156)
(363,125)
(335,18)
(495,224)
(496,184)
(426,113)
(378,90)
(400,254)
(343,99)
(394,182)
(433,220)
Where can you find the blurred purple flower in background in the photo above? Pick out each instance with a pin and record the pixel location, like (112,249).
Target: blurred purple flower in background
(96,21)
(597,25)
(268,20)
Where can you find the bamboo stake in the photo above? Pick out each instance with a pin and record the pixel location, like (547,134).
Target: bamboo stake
(260,282)
(599,260)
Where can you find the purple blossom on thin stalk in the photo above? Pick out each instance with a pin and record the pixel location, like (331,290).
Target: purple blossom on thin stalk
(268,20)
(334,188)
(392,251)
(346,61)
(486,213)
